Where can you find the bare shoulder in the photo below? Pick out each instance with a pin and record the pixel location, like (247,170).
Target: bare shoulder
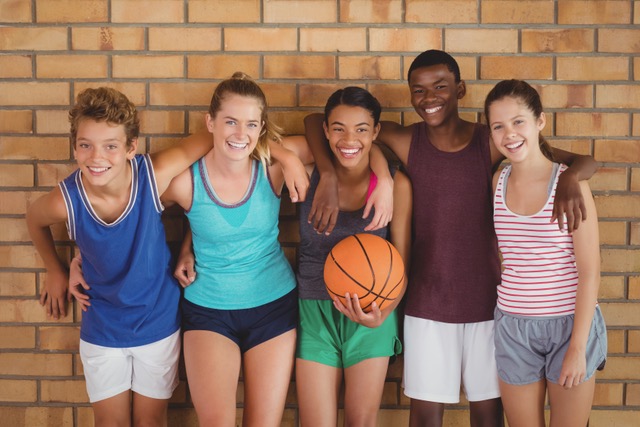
(48,209)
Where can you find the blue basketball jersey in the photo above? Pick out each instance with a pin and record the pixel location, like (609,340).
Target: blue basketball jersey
(134,298)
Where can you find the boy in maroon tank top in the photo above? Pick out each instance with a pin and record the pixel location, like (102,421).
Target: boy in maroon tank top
(455,267)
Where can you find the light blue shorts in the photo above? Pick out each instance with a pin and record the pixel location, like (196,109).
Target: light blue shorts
(529,349)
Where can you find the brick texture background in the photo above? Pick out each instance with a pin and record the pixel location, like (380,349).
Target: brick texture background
(168,55)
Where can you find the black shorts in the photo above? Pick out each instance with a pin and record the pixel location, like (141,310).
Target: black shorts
(246,327)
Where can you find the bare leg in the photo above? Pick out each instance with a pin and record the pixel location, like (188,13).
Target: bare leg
(267,375)
(571,407)
(114,411)
(486,413)
(148,412)
(318,388)
(425,414)
(524,404)
(364,384)
(213,365)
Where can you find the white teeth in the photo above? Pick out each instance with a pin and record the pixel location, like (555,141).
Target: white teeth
(432,110)
(514,145)
(97,170)
(238,145)
(349,151)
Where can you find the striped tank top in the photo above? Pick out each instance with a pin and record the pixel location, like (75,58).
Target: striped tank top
(539,276)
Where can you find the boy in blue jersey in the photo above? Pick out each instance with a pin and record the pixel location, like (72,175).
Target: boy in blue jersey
(130,334)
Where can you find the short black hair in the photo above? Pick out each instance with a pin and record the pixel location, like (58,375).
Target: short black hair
(355,97)
(435,57)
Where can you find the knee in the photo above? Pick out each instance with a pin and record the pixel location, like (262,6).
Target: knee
(361,419)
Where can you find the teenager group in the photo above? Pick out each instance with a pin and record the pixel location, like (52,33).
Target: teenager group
(508,332)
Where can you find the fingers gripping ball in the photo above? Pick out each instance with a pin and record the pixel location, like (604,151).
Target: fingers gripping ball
(366,265)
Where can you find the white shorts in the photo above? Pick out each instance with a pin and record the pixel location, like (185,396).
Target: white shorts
(438,356)
(150,370)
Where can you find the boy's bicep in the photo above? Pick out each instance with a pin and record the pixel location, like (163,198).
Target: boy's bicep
(170,162)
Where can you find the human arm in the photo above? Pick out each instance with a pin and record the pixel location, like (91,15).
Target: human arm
(170,162)
(77,284)
(569,200)
(400,230)
(382,195)
(295,175)
(587,253)
(185,270)
(44,212)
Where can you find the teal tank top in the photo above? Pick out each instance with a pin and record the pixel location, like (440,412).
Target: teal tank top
(239,261)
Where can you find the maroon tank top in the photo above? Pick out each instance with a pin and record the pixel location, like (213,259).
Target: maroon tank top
(455,267)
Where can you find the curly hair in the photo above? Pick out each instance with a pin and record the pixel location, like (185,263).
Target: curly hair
(108,105)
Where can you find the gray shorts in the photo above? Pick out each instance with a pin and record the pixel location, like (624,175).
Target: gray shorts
(529,349)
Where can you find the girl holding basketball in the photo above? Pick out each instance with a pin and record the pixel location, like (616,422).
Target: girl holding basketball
(241,307)
(549,335)
(337,341)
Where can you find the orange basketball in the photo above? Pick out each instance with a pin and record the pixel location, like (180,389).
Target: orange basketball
(366,265)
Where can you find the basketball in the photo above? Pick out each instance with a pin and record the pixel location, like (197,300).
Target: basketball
(366,265)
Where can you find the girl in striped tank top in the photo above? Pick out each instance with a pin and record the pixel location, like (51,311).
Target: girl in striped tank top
(550,335)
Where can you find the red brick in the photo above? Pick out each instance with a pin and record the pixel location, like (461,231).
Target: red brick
(224,11)
(107,38)
(635,179)
(15,66)
(33,38)
(608,394)
(481,40)
(15,121)
(617,206)
(620,368)
(333,39)
(578,146)
(292,121)
(592,124)
(634,290)
(157,11)
(634,341)
(221,66)
(17,284)
(622,260)
(404,39)
(197,121)
(37,416)
(13,230)
(509,67)
(134,91)
(14,203)
(381,11)
(35,364)
(476,94)
(185,39)
(71,66)
(260,39)
(369,68)
(593,12)
(613,232)
(633,395)
(299,67)
(439,12)
(66,11)
(636,125)
(34,93)
(148,66)
(634,238)
(16,175)
(184,94)
(592,68)
(612,287)
(562,40)
(16,11)
(617,96)
(627,151)
(309,11)
(280,94)
(517,12)
(17,337)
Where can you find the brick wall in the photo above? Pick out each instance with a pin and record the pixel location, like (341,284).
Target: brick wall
(167,56)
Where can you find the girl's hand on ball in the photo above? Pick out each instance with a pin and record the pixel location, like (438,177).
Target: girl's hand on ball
(351,308)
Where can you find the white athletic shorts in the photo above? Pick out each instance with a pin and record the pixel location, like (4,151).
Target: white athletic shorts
(439,356)
(150,370)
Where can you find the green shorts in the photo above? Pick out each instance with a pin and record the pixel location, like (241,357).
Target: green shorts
(327,336)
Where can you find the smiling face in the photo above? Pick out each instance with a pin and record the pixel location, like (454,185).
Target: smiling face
(350,131)
(236,126)
(102,153)
(515,129)
(435,93)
